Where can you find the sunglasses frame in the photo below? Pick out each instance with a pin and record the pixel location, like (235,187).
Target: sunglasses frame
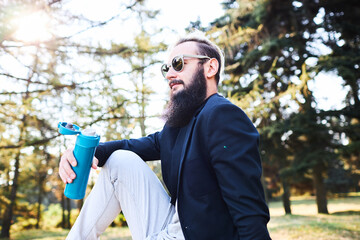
(182,56)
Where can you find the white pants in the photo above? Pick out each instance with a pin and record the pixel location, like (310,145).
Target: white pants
(125,184)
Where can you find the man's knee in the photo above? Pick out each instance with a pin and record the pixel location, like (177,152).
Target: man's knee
(122,158)
(122,162)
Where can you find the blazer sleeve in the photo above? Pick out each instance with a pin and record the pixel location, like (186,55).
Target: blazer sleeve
(148,148)
(233,147)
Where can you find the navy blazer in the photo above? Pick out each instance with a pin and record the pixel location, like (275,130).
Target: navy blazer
(212,168)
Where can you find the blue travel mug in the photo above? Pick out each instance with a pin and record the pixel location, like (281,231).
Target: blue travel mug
(86,143)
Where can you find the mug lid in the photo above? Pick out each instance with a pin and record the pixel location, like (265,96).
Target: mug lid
(66,128)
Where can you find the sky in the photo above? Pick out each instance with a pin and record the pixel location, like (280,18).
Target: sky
(174,15)
(179,16)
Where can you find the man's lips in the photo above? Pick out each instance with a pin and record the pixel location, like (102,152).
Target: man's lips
(172,83)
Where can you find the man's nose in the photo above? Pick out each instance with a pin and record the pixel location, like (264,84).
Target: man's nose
(171,74)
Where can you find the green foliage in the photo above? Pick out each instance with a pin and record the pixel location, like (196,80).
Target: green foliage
(25,214)
(120,220)
(52,216)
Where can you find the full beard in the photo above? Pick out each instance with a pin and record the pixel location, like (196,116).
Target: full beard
(183,105)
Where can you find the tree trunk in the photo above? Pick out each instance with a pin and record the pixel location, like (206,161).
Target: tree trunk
(263,182)
(42,176)
(320,190)
(68,206)
(63,221)
(142,102)
(80,203)
(286,197)
(40,197)
(8,214)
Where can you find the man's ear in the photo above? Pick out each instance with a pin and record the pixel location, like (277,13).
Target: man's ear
(212,67)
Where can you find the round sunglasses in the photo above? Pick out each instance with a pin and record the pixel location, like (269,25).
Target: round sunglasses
(178,63)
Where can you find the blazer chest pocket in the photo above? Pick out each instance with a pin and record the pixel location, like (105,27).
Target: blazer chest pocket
(198,177)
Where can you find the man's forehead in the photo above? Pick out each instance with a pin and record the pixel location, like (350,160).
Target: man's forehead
(183,48)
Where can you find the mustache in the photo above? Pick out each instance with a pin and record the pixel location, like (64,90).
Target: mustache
(176,81)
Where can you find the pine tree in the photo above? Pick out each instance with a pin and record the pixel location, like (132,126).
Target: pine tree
(269,45)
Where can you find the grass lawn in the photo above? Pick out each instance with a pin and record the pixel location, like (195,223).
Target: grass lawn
(59,234)
(342,223)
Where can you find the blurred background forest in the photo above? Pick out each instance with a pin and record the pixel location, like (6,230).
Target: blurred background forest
(292,66)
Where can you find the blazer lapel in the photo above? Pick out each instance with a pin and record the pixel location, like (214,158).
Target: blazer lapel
(189,130)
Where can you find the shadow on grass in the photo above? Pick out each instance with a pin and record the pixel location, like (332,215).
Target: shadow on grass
(343,213)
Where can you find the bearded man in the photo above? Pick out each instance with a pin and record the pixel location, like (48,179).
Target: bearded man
(209,158)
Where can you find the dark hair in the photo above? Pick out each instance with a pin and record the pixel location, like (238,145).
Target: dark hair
(207,48)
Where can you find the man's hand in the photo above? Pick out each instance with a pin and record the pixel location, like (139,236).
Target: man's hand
(67,160)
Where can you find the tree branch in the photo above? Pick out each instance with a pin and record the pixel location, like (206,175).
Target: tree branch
(30,143)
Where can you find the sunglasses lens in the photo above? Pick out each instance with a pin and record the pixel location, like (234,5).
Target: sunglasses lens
(177,64)
(164,69)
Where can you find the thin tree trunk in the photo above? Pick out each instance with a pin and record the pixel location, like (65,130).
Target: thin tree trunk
(42,176)
(63,221)
(320,190)
(80,203)
(286,196)
(40,197)
(8,214)
(68,206)
(142,102)
(263,182)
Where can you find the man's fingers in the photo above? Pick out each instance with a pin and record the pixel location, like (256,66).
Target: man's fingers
(70,156)
(95,163)
(66,173)
(67,160)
